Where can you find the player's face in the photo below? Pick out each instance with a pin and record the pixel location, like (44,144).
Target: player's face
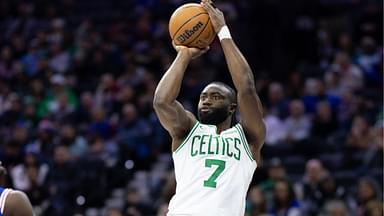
(214,105)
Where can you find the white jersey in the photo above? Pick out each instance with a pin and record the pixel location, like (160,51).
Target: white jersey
(213,172)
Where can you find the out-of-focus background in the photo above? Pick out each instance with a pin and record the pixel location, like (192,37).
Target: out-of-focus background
(80,137)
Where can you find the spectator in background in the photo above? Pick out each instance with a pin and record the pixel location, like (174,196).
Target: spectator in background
(62,182)
(359,136)
(375,208)
(21,173)
(99,123)
(277,104)
(12,110)
(345,43)
(294,90)
(134,205)
(315,92)
(347,109)
(368,58)
(276,129)
(7,64)
(324,121)
(11,153)
(133,135)
(314,175)
(285,203)
(60,101)
(31,60)
(368,191)
(43,144)
(330,190)
(20,134)
(276,172)
(83,112)
(256,203)
(349,75)
(335,208)
(36,191)
(298,125)
(76,143)
(114,212)
(60,59)
(92,179)
(106,91)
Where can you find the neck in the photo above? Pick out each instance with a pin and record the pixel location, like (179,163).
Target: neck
(224,125)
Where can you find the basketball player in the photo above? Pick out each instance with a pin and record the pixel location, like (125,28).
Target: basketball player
(214,156)
(13,202)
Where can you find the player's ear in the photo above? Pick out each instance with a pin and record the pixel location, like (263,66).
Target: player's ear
(232,107)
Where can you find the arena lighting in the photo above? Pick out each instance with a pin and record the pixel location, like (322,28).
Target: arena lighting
(80,200)
(129,164)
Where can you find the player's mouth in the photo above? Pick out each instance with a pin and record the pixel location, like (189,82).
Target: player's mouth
(205,109)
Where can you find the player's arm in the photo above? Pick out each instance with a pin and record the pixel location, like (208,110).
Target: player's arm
(174,118)
(249,103)
(17,204)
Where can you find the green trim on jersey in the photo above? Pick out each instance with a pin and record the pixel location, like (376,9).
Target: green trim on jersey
(246,147)
(189,135)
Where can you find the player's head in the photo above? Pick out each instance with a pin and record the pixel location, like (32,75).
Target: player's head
(217,103)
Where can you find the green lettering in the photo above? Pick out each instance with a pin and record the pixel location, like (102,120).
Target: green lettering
(229,153)
(223,152)
(194,153)
(201,144)
(237,154)
(209,145)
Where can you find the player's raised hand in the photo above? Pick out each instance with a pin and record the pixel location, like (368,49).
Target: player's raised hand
(216,15)
(191,51)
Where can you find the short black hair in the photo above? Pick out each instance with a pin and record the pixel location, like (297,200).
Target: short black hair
(232,92)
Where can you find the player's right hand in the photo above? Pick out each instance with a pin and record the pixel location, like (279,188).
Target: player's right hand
(190,51)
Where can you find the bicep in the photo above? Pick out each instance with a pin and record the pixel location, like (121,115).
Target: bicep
(251,115)
(174,118)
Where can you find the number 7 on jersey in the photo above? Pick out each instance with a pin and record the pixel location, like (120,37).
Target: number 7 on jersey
(211,181)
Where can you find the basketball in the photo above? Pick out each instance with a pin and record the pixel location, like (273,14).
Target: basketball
(191,26)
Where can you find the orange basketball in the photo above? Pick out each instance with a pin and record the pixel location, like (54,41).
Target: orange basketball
(191,26)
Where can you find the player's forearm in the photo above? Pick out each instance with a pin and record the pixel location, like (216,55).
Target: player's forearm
(169,86)
(238,66)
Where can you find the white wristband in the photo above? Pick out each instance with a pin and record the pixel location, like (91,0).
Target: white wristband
(224,33)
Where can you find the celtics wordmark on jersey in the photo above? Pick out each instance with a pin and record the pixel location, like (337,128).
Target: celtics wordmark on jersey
(213,172)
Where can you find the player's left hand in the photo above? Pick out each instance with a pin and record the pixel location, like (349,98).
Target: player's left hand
(192,52)
(216,15)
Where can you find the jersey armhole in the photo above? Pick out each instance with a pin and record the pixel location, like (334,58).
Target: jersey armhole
(239,129)
(187,137)
(3,198)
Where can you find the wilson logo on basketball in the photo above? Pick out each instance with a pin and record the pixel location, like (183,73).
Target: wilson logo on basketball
(189,32)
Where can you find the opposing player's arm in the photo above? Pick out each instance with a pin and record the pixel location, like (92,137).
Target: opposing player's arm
(17,204)
(249,103)
(174,118)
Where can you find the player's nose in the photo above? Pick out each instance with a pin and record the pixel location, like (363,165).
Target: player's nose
(207,102)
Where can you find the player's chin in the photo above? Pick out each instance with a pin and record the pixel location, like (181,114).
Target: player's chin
(207,117)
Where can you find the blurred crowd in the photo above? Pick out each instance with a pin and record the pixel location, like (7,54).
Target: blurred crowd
(80,137)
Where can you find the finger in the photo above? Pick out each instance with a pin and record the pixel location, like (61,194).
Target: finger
(207,6)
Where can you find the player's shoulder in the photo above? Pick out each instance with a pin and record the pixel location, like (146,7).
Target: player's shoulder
(14,197)
(17,195)
(17,203)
